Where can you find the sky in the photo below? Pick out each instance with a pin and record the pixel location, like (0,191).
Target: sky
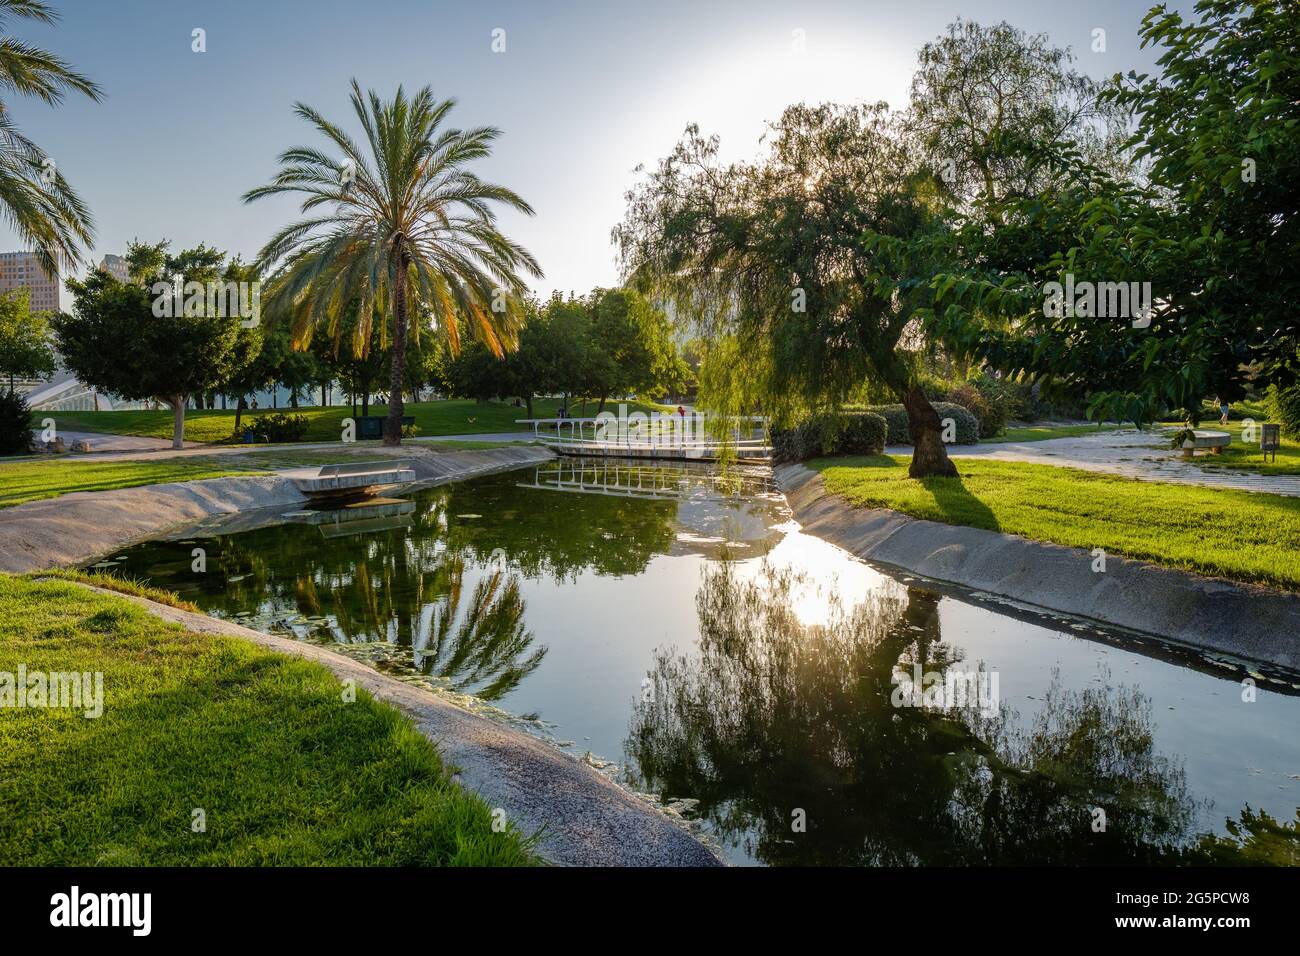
(584,92)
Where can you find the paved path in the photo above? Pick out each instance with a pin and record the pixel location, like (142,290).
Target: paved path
(1143,455)
(101,443)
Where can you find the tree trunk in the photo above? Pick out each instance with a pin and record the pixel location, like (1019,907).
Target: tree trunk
(929,456)
(397,374)
(239,412)
(601,408)
(529,402)
(178,420)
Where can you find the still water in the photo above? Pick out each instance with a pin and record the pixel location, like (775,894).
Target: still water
(675,628)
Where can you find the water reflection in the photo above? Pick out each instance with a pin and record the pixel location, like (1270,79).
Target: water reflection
(770,722)
(552,592)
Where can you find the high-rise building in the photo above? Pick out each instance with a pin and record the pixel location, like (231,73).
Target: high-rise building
(19,270)
(115,266)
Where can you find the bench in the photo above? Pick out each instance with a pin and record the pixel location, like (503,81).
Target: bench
(1212,441)
(357,479)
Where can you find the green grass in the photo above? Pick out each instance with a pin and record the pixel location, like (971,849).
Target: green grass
(34,479)
(452,417)
(1026,433)
(286,772)
(1222,532)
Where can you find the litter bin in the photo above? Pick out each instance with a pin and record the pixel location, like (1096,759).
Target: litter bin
(371,427)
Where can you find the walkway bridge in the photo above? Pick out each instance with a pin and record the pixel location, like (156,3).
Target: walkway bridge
(662,436)
(651,482)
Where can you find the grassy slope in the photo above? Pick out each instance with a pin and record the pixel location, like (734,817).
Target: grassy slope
(1232,534)
(453,417)
(287,773)
(31,480)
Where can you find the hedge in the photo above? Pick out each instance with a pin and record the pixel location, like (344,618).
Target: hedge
(856,433)
(895,416)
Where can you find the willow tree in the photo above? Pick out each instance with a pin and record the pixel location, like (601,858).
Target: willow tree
(403,227)
(779,263)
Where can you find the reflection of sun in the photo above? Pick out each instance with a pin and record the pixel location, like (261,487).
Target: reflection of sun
(830,576)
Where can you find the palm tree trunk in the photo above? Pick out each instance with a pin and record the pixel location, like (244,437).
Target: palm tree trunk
(397,374)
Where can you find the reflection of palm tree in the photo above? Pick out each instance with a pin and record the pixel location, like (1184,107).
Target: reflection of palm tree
(392,586)
(483,648)
(775,716)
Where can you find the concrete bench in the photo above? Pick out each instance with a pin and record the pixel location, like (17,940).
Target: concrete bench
(355,479)
(1212,441)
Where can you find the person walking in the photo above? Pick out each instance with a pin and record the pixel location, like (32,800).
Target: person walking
(1224,407)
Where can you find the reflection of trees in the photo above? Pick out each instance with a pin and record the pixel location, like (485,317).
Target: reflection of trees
(403,585)
(556,533)
(1256,839)
(773,715)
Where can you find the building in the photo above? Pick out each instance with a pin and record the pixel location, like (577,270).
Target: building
(19,270)
(115,266)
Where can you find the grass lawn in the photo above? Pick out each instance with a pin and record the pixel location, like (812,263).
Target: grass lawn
(452,417)
(33,479)
(1232,534)
(286,772)
(1026,433)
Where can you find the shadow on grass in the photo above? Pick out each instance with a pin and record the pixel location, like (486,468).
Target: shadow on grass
(953,501)
(957,505)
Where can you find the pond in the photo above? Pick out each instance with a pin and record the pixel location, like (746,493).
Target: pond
(674,627)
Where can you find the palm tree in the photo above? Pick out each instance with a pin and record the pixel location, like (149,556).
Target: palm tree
(34,197)
(405,228)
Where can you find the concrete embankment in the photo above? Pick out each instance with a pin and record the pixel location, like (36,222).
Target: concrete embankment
(1209,614)
(73,529)
(584,818)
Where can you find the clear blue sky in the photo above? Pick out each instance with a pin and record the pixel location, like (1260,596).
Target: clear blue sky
(584,92)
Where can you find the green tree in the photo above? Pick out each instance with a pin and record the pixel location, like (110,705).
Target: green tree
(128,339)
(771,255)
(25,349)
(1209,224)
(43,209)
(406,229)
(633,346)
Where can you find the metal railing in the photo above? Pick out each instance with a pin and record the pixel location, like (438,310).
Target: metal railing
(681,435)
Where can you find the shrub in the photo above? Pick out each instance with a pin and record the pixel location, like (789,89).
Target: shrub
(15,424)
(279,427)
(798,443)
(1004,400)
(1283,406)
(856,433)
(968,426)
(861,433)
(971,399)
(895,417)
